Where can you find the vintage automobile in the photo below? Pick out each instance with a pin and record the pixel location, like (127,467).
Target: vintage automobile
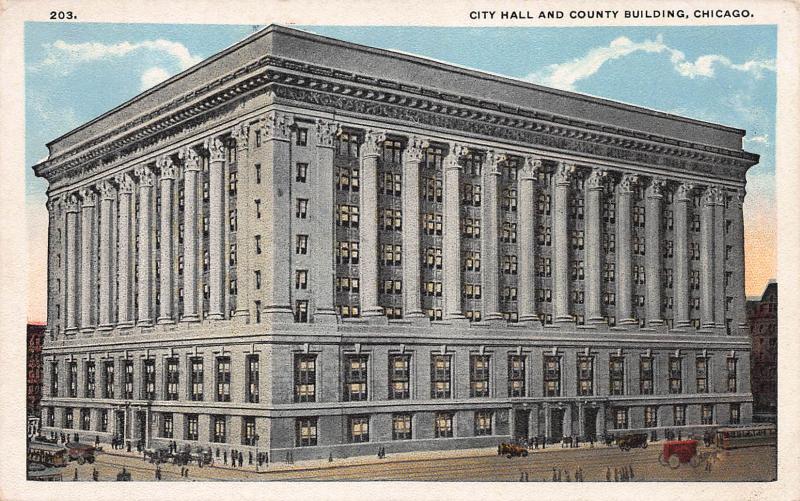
(631,440)
(677,452)
(82,453)
(511,450)
(157,456)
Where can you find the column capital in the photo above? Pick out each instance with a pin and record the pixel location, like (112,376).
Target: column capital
(216,149)
(54,203)
(494,159)
(656,188)
(276,125)
(190,158)
(167,167)
(106,190)
(597,179)
(87,197)
(711,195)
(241,134)
(72,203)
(530,167)
(684,192)
(628,183)
(415,149)
(564,173)
(145,175)
(738,197)
(373,140)
(326,133)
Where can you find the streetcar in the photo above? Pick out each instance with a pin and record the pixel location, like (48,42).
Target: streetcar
(47,454)
(747,436)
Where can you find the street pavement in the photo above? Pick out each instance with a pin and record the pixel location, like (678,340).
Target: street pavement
(750,464)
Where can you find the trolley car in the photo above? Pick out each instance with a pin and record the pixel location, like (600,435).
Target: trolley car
(747,436)
(47,454)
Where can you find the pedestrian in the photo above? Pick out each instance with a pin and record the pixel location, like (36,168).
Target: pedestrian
(241,459)
(566,476)
(158,473)
(94,474)
(521,477)
(559,474)
(555,476)
(225,457)
(591,441)
(608,474)
(330,457)
(75,476)
(630,470)
(526,476)
(536,442)
(250,458)
(96,440)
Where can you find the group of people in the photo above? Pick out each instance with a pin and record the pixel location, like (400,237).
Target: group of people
(563,475)
(381,453)
(621,474)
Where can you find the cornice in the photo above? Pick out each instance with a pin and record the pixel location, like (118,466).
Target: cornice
(330,89)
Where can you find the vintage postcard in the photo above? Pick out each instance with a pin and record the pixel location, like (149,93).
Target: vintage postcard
(463,245)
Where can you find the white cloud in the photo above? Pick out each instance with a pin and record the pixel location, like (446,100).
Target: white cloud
(565,75)
(758,139)
(153,76)
(59,119)
(64,55)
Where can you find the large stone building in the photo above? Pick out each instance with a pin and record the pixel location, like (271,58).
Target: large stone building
(763,321)
(302,243)
(35,336)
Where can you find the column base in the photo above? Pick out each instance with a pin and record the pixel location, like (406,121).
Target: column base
(87,330)
(656,323)
(325,316)
(216,316)
(165,321)
(564,319)
(708,326)
(683,324)
(415,314)
(125,325)
(70,331)
(596,321)
(372,311)
(190,318)
(277,315)
(241,317)
(628,321)
(144,323)
(492,320)
(105,327)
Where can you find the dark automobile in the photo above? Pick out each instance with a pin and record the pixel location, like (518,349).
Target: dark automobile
(79,452)
(627,442)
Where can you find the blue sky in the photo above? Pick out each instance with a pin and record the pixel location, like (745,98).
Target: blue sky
(75,72)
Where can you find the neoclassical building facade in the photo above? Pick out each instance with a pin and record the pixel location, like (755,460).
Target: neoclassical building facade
(307,245)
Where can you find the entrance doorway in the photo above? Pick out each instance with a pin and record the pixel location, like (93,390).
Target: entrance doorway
(521,418)
(556,424)
(590,423)
(119,423)
(141,427)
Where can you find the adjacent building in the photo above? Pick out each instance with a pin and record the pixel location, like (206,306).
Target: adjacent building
(763,321)
(35,336)
(310,245)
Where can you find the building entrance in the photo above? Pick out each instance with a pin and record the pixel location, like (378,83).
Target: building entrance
(557,424)
(521,419)
(590,423)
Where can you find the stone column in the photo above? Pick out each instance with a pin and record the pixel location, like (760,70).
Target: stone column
(624,250)
(246,222)
(412,156)
(53,209)
(87,265)
(593,246)
(191,215)
(167,287)
(217,222)
(490,265)
(451,234)
(325,311)
(683,199)
(707,258)
(124,272)
(368,227)
(144,291)
(654,196)
(720,242)
(561,271)
(106,266)
(71,257)
(738,266)
(526,225)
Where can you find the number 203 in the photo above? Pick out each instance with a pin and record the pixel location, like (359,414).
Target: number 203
(62,14)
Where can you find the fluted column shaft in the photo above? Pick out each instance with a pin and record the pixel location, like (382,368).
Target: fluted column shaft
(738,265)
(325,311)
(71,253)
(191,166)
(368,227)
(681,257)
(166,285)
(653,204)
(246,221)
(86,284)
(412,156)
(526,224)
(707,259)
(106,268)
(145,283)
(124,317)
(624,250)
(561,271)
(451,235)
(216,229)
(593,248)
(720,294)
(490,265)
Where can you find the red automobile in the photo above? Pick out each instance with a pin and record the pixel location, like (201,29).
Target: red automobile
(677,452)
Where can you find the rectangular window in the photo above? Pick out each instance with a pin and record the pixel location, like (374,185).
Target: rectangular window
(249,430)
(220,429)
(302,137)
(301,279)
(735,410)
(173,379)
(483,423)
(108,388)
(252,377)
(305,432)
(620,416)
(191,427)
(305,378)
(516,376)
(301,311)
(54,379)
(223,379)
(552,376)
(90,380)
(69,417)
(616,373)
(103,420)
(355,378)
(302,173)
(679,415)
(86,419)
(650,416)
(440,376)
(646,375)
(443,425)
(72,382)
(302,208)
(196,389)
(585,375)
(401,426)
(167,429)
(149,379)
(707,414)
(701,373)
(399,376)
(731,366)
(675,375)
(359,429)
(128,389)
(301,244)
(479,376)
